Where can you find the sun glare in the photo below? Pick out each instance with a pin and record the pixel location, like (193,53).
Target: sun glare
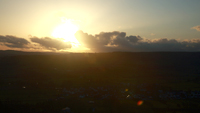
(66,30)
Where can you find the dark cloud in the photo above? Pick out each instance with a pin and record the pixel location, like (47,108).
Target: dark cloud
(101,39)
(51,43)
(196,27)
(134,39)
(86,39)
(104,41)
(108,41)
(118,41)
(105,37)
(13,41)
(47,43)
(160,45)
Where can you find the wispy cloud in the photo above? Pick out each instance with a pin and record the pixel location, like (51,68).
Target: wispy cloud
(196,27)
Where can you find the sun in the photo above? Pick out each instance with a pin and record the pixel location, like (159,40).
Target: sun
(66,30)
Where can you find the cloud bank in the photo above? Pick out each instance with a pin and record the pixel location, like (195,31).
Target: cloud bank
(35,43)
(51,43)
(118,41)
(13,41)
(102,42)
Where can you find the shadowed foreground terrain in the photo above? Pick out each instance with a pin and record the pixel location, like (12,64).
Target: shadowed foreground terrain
(100,82)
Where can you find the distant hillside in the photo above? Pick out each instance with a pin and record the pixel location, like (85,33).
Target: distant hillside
(115,63)
(16,53)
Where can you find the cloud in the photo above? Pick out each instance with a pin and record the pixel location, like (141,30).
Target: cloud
(134,39)
(152,34)
(118,41)
(196,27)
(13,41)
(51,43)
(104,41)
(47,43)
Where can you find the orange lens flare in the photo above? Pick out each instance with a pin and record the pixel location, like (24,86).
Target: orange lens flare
(140,102)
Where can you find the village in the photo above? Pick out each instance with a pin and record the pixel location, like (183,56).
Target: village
(124,93)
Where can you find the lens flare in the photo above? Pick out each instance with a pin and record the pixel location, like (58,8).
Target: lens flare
(140,102)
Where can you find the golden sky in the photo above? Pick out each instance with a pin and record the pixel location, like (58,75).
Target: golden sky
(99,25)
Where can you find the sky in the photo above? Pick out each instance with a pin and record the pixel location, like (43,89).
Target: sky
(100,25)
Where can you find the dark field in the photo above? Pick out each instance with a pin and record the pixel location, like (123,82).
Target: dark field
(166,82)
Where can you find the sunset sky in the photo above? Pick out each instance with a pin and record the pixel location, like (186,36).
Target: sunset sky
(100,25)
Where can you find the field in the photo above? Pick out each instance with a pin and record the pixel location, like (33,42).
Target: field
(166,82)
